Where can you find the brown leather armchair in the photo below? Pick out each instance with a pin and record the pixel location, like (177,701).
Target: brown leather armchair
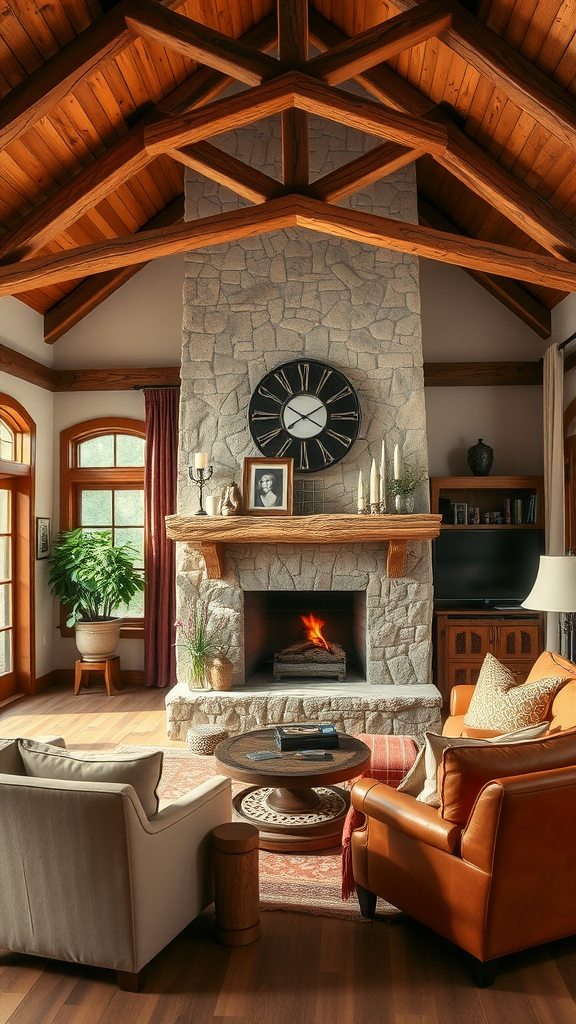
(503,883)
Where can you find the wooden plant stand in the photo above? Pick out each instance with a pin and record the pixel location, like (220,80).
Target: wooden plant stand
(110,669)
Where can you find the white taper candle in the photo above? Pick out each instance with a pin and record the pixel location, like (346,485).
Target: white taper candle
(397,462)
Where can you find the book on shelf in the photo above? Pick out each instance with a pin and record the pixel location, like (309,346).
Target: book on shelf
(517,511)
(460,513)
(306,736)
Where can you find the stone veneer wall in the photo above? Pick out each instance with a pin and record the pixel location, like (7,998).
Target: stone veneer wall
(253,304)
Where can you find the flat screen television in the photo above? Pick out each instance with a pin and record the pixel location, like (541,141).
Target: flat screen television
(486,566)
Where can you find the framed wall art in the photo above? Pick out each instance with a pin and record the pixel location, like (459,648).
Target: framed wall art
(268,487)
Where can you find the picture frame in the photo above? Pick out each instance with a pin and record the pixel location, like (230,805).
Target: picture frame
(42,537)
(268,486)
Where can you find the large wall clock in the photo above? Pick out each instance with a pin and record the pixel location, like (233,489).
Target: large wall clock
(305,410)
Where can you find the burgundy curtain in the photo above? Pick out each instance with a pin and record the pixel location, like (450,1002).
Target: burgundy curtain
(160,500)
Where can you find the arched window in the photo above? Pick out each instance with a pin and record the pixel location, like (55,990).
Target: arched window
(17,651)
(102,472)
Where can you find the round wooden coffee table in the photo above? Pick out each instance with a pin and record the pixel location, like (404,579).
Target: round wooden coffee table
(291,801)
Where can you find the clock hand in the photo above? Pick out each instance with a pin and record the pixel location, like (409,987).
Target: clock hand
(306,416)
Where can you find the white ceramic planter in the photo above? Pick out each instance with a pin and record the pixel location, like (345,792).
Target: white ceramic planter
(97,641)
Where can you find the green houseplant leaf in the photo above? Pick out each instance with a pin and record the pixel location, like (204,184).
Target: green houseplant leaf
(91,576)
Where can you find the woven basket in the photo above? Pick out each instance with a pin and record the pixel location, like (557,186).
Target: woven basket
(203,739)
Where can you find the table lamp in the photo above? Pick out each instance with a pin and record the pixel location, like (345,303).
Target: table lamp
(555,591)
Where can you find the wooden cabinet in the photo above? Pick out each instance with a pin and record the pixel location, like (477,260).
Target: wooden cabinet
(491,495)
(462,640)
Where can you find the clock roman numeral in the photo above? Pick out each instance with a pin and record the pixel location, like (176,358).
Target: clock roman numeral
(326,456)
(304,374)
(266,438)
(339,437)
(268,394)
(284,448)
(341,394)
(345,416)
(283,380)
(258,414)
(304,464)
(325,375)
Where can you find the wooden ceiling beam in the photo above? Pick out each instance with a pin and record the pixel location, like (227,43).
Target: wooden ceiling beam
(383,232)
(366,169)
(294,89)
(382,42)
(293,43)
(467,161)
(236,175)
(91,292)
(198,42)
(549,104)
(519,301)
(35,97)
(489,374)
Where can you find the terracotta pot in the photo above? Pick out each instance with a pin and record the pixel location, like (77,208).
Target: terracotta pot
(220,673)
(97,641)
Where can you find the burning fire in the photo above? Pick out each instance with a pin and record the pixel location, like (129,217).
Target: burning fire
(314,631)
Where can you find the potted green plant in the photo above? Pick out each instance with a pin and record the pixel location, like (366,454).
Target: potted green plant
(401,489)
(93,578)
(202,641)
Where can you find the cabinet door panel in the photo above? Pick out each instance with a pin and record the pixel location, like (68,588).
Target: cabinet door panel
(468,641)
(517,641)
(462,674)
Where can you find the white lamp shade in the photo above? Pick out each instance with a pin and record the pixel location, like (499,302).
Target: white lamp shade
(555,586)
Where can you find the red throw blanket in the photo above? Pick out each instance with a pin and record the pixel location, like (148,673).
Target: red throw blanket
(392,758)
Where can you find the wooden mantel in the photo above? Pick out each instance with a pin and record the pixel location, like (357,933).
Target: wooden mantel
(212,533)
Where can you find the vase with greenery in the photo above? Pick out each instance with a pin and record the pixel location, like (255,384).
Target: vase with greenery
(201,638)
(401,490)
(93,579)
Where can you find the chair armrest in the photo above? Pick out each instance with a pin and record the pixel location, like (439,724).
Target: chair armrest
(405,813)
(460,697)
(187,804)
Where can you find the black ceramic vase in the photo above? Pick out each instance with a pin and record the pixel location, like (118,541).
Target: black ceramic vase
(480,458)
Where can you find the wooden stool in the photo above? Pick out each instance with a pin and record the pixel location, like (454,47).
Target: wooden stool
(237,890)
(110,668)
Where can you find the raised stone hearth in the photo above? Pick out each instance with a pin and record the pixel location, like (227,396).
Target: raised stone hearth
(352,707)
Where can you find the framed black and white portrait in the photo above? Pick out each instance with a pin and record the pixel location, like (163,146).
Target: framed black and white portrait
(268,486)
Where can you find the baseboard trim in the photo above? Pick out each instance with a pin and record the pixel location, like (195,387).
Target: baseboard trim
(42,683)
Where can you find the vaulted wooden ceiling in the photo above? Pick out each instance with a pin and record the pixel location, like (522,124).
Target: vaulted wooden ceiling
(103,104)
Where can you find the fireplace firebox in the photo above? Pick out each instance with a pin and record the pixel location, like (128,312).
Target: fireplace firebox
(273,625)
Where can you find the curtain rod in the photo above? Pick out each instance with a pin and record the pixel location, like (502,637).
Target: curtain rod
(563,344)
(158,387)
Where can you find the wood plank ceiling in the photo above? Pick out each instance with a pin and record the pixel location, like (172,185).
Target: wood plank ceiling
(102,104)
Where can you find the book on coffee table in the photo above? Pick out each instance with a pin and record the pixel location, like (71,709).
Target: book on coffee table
(306,736)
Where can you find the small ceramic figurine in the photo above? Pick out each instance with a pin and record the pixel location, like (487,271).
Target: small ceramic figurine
(231,500)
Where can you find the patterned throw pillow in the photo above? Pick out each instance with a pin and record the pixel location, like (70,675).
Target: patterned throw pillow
(499,702)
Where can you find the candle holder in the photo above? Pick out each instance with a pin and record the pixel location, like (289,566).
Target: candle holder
(200,480)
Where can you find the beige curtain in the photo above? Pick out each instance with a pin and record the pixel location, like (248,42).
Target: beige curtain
(554,466)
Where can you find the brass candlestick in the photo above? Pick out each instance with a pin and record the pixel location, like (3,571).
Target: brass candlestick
(201,480)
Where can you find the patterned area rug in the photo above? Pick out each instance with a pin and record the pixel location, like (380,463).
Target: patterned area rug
(306,883)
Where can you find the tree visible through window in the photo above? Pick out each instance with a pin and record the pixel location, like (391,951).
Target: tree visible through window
(103,488)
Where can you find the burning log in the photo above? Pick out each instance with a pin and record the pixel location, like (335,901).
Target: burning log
(311,656)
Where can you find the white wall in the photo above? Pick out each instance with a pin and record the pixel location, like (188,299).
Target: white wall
(461,322)
(21,329)
(563,325)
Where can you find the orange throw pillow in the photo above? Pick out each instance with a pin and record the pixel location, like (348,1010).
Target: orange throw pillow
(465,770)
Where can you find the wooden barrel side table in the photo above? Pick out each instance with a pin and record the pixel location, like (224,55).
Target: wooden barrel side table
(237,890)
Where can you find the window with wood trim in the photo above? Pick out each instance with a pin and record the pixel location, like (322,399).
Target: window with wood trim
(102,472)
(17,653)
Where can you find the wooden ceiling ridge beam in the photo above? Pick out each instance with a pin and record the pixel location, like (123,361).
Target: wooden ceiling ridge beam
(199,42)
(124,158)
(512,295)
(468,162)
(35,97)
(363,171)
(508,69)
(213,163)
(305,93)
(293,48)
(287,211)
(93,290)
(359,53)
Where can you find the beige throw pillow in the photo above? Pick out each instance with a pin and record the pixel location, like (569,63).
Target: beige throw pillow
(421,780)
(499,702)
(142,771)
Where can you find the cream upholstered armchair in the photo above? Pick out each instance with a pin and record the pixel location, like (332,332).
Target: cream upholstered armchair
(86,877)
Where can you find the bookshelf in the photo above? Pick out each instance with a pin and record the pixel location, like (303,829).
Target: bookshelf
(489,494)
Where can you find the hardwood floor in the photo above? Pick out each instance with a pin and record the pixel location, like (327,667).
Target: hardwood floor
(304,970)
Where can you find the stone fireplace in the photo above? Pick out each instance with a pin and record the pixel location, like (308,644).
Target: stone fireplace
(251,305)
